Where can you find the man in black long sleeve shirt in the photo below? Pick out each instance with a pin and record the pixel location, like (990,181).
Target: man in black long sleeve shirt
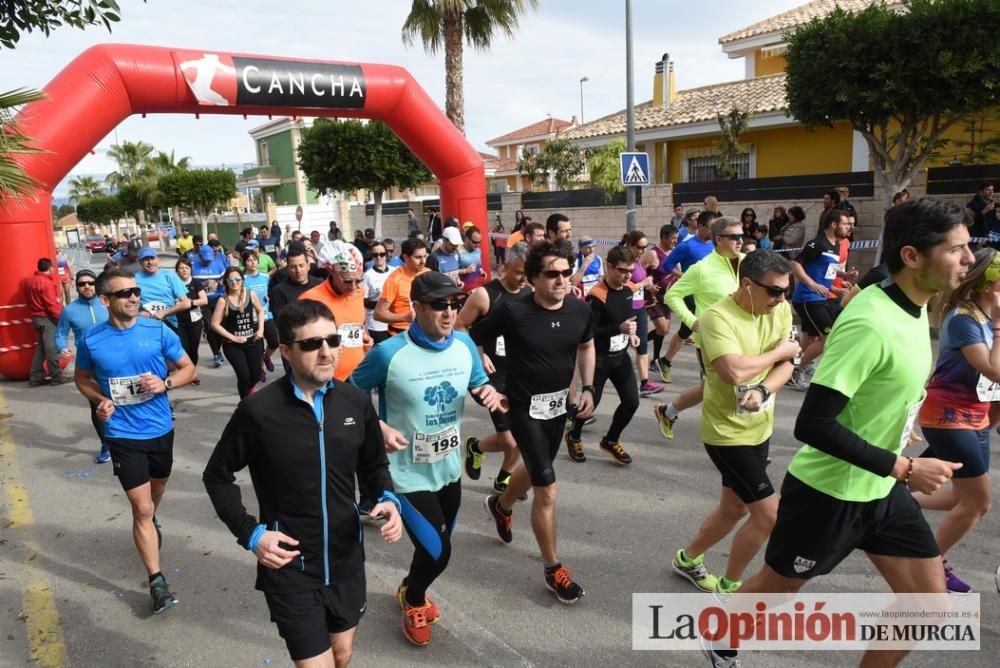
(849,488)
(318,434)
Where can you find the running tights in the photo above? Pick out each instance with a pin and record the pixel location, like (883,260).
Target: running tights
(214,340)
(246,360)
(619,370)
(191,338)
(429,519)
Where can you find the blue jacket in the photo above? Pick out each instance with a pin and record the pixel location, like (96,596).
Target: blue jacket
(79,315)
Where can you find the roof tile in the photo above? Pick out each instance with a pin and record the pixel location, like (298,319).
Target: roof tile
(547,127)
(793,18)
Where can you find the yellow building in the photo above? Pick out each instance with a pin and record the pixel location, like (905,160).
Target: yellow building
(533,138)
(679,129)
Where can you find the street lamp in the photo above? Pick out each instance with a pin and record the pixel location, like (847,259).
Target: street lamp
(582,79)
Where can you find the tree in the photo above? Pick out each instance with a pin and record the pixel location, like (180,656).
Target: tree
(198,190)
(61,211)
(918,73)
(732,126)
(167,163)
(82,187)
(13,181)
(605,170)
(100,210)
(344,156)
(452,23)
(17,18)
(136,173)
(560,158)
(981,146)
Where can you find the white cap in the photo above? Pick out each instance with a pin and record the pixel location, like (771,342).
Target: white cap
(453,236)
(341,256)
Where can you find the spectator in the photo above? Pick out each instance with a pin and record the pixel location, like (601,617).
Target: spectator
(900,197)
(749,221)
(42,295)
(246,234)
(690,226)
(499,243)
(712,204)
(276,233)
(777,222)
(412,224)
(434,224)
(334,233)
(831,200)
(845,203)
(762,238)
(794,233)
(983,210)
(678,218)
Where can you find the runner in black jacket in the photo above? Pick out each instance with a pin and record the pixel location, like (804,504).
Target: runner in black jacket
(318,434)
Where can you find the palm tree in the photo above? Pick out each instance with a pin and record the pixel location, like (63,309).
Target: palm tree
(13,181)
(135,162)
(81,187)
(454,22)
(166,163)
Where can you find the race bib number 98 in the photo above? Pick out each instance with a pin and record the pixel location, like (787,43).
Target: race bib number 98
(126,390)
(548,406)
(430,448)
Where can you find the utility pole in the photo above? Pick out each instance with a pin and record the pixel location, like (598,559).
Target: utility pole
(629,115)
(582,79)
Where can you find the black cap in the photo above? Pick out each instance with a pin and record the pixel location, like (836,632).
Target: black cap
(433,285)
(86,272)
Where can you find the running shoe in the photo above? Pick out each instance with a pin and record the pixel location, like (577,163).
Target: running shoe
(504,521)
(269,365)
(160,593)
(415,626)
(217,361)
(196,381)
(666,423)
(433,614)
(694,571)
(473,459)
(159,534)
(726,586)
(798,381)
(574,448)
(104,456)
(664,369)
(717,660)
(617,451)
(561,584)
(648,387)
(954,583)
(500,486)
(810,369)
(263,376)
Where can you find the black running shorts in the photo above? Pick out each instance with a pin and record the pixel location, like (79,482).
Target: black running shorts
(743,469)
(685,332)
(271,334)
(500,423)
(306,619)
(135,461)
(538,441)
(817,317)
(816,531)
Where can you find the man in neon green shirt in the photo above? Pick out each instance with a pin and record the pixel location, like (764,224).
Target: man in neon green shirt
(748,353)
(850,486)
(708,281)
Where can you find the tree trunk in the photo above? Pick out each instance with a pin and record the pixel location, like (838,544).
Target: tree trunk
(378,214)
(454,96)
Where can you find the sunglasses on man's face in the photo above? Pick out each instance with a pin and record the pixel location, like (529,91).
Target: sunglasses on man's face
(555,273)
(772,290)
(316,342)
(625,270)
(379,254)
(441,305)
(126,293)
(731,237)
(86,284)
(351,281)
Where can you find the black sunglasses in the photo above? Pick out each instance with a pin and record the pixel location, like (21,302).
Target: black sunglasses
(315,343)
(731,237)
(625,270)
(126,293)
(555,273)
(379,254)
(84,284)
(772,290)
(351,281)
(441,305)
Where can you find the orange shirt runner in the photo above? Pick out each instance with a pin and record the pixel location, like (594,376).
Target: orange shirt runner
(396,292)
(349,312)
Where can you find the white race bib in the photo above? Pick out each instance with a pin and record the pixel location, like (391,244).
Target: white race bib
(832,270)
(549,405)
(350,336)
(618,343)
(911,419)
(742,390)
(126,390)
(639,295)
(195,314)
(430,448)
(987,390)
(501,347)
(154,307)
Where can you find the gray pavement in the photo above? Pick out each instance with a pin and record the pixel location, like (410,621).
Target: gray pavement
(618,529)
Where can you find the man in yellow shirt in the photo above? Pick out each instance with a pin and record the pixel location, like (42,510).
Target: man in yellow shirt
(184,243)
(747,352)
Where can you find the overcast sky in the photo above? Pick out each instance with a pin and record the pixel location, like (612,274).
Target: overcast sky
(516,83)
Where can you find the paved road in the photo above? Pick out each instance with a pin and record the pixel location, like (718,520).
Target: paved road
(65,545)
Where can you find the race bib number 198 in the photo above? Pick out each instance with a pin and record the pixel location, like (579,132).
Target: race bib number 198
(549,405)
(430,448)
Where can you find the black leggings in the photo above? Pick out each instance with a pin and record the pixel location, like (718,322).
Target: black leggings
(538,441)
(214,340)
(378,337)
(99,424)
(246,360)
(191,338)
(619,370)
(429,519)
(271,334)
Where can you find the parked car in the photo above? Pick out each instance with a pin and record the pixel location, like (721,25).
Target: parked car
(95,243)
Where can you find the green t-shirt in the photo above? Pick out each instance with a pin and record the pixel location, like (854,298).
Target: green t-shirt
(879,356)
(726,329)
(708,280)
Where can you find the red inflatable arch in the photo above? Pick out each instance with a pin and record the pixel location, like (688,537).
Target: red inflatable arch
(108,83)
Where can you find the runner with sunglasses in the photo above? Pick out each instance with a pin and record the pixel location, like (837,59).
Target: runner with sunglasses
(258,281)
(121,366)
(748,357)
(708,281)
(639,245)
(304,439)
(239,319)
(422,377)
(79,316)
(545,335)
(371,286)
(612,302)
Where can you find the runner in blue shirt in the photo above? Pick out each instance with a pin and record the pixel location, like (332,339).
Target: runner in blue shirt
(209,267)
(257,282)
(422,376)
(80,315)
(693,248)
(121,366)
(163,293)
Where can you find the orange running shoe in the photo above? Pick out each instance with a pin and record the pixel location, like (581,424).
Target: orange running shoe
(433,614)
(415,626)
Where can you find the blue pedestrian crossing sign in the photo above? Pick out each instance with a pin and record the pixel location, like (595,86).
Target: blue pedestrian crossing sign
(634,169)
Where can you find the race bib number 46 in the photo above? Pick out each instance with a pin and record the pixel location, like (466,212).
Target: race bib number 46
(549,405)
(350,336)
(430,448)
(126,390)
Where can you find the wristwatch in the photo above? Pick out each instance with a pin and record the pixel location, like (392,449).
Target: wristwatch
(765,393)
(167,383)
(589,388)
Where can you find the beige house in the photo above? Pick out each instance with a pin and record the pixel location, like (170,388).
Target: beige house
(533,138)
